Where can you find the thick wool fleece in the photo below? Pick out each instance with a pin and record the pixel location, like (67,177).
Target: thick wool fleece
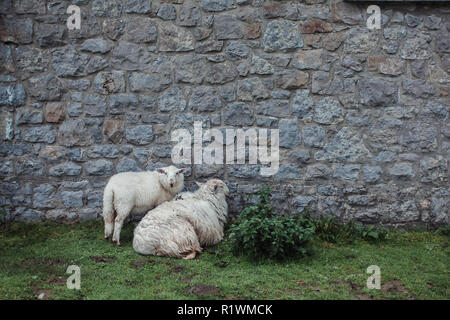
(179,228)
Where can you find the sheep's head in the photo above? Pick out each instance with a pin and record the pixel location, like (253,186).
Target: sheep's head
(171,178)
(215,186)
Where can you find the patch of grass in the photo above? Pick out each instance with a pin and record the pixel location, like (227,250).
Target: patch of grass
(34,259)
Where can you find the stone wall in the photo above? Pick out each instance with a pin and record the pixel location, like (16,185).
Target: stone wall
(363,114)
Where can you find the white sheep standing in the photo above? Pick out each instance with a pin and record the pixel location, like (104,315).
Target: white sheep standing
(136,193)
(180,227)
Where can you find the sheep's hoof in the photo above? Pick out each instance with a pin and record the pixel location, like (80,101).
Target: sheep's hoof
(190,256)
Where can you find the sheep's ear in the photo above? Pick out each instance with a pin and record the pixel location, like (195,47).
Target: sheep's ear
(198,183)
(162,171)
(182,170)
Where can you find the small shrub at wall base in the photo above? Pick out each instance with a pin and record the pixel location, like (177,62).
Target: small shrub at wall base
(260,233)
(2,215)
(444,230)
(330,229)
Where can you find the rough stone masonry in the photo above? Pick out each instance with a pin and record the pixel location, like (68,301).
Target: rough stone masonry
(363,114)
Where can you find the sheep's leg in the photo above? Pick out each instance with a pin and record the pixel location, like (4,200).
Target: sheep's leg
(190,255)
(109,228)
(117,228)
(120,218)
(108,211)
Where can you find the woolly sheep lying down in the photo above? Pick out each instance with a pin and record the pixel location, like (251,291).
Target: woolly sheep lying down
(180,227)
(136,193)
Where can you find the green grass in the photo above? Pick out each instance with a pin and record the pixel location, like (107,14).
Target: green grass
(34,259)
